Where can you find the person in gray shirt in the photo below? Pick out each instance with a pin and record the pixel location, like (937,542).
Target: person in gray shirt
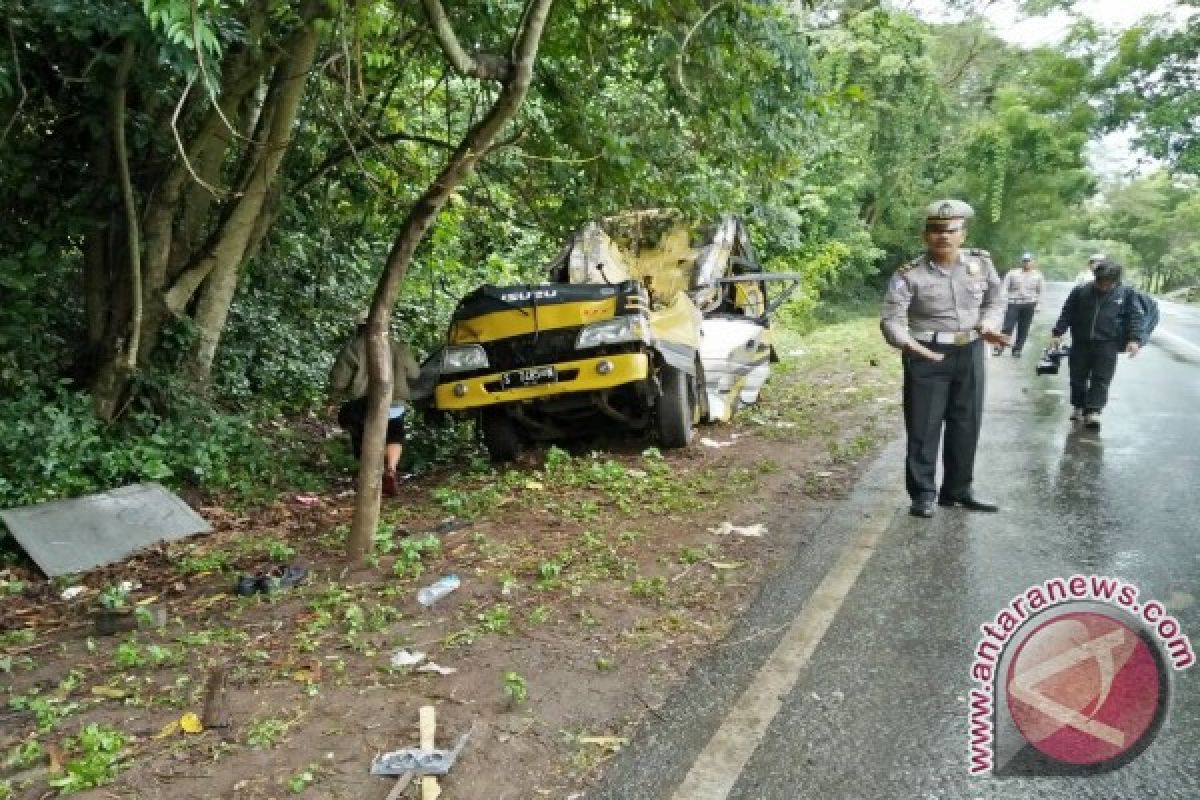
(1023,286)
(939,309)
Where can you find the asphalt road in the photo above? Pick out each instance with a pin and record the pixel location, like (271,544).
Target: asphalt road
(873,704)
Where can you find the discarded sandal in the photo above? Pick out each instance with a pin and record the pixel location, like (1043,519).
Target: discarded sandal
(247,584)
(280,578)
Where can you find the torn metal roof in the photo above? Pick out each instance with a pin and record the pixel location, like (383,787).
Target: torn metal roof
(69,536)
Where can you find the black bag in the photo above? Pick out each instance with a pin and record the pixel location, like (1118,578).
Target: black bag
(1051,359)
(1149,307)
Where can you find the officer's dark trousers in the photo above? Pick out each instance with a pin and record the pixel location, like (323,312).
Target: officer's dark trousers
(950,393)
(1092,367)
(1019,316)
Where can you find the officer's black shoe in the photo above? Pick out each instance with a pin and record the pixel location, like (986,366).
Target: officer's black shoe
(969,502)
(921,508)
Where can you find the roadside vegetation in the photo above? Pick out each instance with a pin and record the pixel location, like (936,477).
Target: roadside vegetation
(580,566)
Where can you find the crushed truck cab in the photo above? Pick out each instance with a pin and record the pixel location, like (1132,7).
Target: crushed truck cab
(646,323)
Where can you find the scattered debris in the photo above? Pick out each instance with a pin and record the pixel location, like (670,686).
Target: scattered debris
(719,565)
(407,658)
(449,525)
(611,743)
(824,474)
(425,761)
(71,592)
(728,528)
(440,670)
(65,537)
(216,700)
(443,586)
(713,443)
(307,499)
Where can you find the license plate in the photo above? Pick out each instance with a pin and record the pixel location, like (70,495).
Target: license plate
(529,377)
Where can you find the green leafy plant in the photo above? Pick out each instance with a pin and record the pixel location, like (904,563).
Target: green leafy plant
(48,711)
(514,690)
(303,779)
(94,758)
(497,619)
(129,655)
(655,587)
(263,734)
(410,555)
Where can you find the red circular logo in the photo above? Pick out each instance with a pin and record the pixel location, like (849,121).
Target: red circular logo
(1084,688)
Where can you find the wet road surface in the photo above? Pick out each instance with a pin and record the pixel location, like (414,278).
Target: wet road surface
(876,704)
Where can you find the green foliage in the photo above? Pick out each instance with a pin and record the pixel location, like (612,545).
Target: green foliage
(410,555)
(303,779)
(514,689)
(265,733)
(47,710)
(94,757)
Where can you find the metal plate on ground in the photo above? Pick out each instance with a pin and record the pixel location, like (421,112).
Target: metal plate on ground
(68,536)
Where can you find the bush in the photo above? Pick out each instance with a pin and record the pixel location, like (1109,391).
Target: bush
(52,445)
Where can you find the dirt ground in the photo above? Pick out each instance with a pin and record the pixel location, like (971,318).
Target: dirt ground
(591,582)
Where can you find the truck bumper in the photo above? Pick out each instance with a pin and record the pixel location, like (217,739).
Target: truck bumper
(584,375)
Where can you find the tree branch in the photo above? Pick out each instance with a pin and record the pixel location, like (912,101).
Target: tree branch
(12,40)
(117,117)
(334,158)
(484,66)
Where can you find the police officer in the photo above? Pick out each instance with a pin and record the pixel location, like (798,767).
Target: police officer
(939,309)
(1023,286)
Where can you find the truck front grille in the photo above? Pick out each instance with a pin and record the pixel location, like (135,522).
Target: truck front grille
(531,350)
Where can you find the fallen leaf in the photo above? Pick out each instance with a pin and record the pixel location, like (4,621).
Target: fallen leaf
(534,486)
(305,676)
(110,692)
(190,723)
(727,564)
(170,729)
(56,757)
(613,743)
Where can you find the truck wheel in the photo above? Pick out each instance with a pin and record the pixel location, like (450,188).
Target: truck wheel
(500,436)
(675,408)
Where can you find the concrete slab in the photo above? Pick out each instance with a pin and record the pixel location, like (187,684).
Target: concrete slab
(68,536)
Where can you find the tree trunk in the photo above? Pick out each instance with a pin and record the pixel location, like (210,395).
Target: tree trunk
(228,253)
(379,364)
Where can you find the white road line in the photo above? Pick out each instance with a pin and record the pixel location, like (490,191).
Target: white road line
(1176,344)
(718,766)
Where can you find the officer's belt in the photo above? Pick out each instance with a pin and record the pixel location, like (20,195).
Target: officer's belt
(947,337)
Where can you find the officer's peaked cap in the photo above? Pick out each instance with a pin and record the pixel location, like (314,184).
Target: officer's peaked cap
(948,209)
(1096,258)
(1027,257)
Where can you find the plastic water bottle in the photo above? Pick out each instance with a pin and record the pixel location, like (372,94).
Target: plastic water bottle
(437,590)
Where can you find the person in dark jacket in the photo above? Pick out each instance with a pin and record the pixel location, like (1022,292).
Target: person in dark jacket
(1103,321)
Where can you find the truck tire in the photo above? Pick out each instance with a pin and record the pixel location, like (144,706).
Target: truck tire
(675,411)
(500,436)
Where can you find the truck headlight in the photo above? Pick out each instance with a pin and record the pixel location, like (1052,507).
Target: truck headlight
(463,358)
(614,331)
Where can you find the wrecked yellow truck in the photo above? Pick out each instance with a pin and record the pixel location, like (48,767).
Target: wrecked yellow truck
(646,322)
